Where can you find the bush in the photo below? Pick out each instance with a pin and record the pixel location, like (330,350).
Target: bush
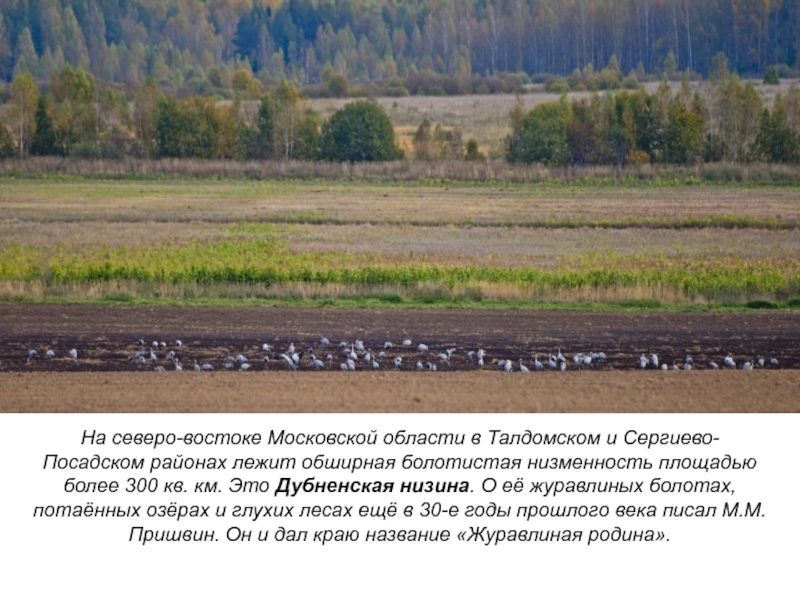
(609,79)
(86,150)
(395,89)
(6,143)
(557,85)
(513,83)
(772,76)
(359,131)
(338,85)
(116,144)
(473,154)
(575,79)
(540,78)
(637,157)
(762,304)
(631,82)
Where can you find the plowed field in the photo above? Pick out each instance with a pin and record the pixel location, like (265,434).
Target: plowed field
(104,380)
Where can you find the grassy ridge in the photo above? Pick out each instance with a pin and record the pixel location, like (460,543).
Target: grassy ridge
(432,301)
(719,221)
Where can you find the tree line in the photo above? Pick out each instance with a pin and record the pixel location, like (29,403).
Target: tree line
(728,123)
(197,45)
(81,118)
(77,116)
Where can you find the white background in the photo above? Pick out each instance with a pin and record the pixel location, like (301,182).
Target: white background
(92,557)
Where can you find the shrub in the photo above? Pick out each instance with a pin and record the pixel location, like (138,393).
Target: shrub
(359,131)
(338,85)
(631,82)
(761,304)
(6,142)
(473,154)
(772,76)
(395,89)
(86,150)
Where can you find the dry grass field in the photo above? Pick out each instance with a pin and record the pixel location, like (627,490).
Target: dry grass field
(483,117)
(191,239)
(415,203)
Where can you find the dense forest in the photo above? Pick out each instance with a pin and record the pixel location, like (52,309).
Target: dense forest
(197,45)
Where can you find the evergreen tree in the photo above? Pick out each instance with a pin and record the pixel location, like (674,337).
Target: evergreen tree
(171,129)
(6,56)
(262,143)
(6,141)
(27,61)
(776,141)
(44,140)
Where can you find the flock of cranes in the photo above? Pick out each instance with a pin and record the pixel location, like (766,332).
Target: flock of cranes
(406,356)
(687,364)
(51,354)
